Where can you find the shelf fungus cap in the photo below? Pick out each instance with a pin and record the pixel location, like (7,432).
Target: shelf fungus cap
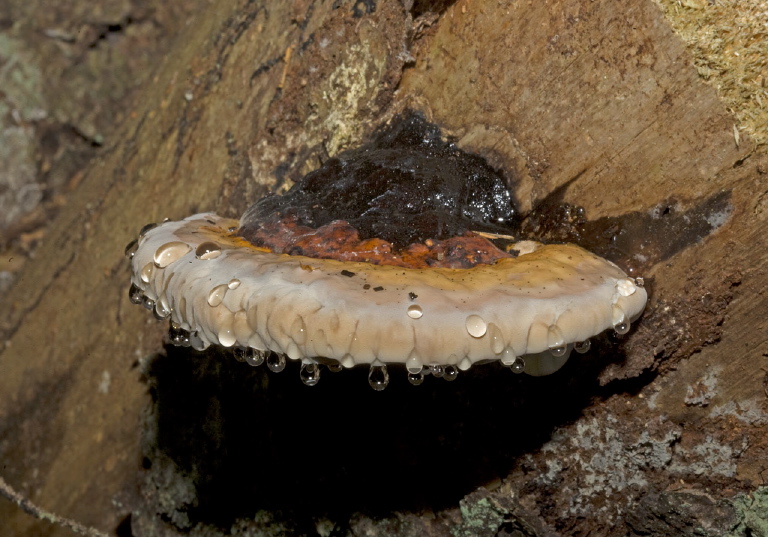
(382,256)
(225,291)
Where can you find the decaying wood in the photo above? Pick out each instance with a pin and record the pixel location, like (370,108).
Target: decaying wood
(596,101)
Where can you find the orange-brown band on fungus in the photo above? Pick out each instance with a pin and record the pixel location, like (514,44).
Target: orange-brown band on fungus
(381,257)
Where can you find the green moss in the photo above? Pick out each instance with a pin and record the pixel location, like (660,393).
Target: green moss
(753,514)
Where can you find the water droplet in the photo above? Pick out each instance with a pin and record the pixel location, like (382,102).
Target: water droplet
(558,351)
(143,231)
(227,337)
(130,248)
(436,370)
(170,252)
(177,335)
(508,356)
(208,250)
(348,360)
(216,296)
(476,326)
(415,312)
(555,340)
(310,373)
(135,294)
(518,366)
(451,372)
(618,315)
(497,338)
(148,303)
(413,363)
(416,378)
(276,362)
(162,310)
(621,328)
(234,283)
(582,346)
(335,367)
(626,287)
(255,357)
(378,376)
(146,272)
(239,353)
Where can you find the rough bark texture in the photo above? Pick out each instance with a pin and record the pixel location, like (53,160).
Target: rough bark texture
(587,103)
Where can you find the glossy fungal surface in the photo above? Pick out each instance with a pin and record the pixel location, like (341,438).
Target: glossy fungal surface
(299,278)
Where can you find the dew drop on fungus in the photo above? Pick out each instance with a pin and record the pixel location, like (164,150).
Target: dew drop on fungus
(621,328)
(146,228)
(335,367)
(508,356)
(135,294)
(378,376)
(130,248)
(558,351)
(177,335)
(582,346)
(518,366)
(476,326)
(148,303)
(161,309)
(216,296)
(276,362)
(450,372)
(436,370)
(234,283)
(415,311)
(170,252)
(310,373)
(255,357)
(239,353)
(146,272)
(416,378)
(208,250)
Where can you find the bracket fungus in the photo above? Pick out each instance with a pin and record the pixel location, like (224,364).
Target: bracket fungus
(403,251)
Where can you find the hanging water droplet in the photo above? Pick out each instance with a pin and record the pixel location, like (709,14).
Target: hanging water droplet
(518,366)
(416,378)
(621,328)
(170,252)
(378,376)
(227,337)
(276,362)
(146,272)
(148,303)
(413,363)
(497,338)
(130,248)
(582,346)
(617,315)
(161,309)
(239,353)
(508,356)
(558,351)
(415,311)
(450,372)
(255,357)
(436,370)
(135,294)
(476,326)
(146,228)
(310,373)
(335,367)
(208,250)
(177,335)
(216,296)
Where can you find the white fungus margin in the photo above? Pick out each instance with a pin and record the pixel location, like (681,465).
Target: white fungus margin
(527,312)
